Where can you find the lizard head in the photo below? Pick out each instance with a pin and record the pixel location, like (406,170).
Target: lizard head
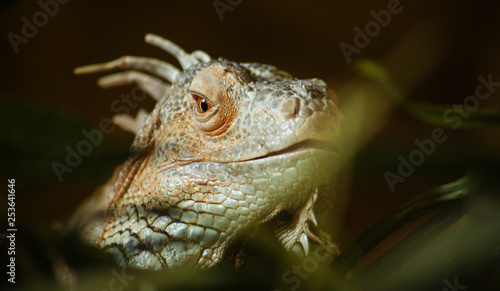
(228,147)
(230,112)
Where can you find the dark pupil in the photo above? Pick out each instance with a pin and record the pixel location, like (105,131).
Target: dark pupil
(203,105)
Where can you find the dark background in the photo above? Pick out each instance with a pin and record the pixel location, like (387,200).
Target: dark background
(435,50)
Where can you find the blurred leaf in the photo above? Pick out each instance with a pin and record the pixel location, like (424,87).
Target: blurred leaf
(423,204)
(34,137)
(429,113)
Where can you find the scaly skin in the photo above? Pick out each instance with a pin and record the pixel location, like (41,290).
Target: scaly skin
(228,147)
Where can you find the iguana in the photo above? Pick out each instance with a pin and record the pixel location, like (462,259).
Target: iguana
(229,148)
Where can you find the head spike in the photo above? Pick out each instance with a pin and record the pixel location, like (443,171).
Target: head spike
(186,60)
(202,56)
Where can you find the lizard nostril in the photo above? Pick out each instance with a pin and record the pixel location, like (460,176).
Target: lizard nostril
(314,93)
(290,107)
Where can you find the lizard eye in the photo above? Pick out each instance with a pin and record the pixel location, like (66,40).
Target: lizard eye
(202,104)
(212,98)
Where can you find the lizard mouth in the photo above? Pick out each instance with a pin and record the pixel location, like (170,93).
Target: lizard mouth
(309,144)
